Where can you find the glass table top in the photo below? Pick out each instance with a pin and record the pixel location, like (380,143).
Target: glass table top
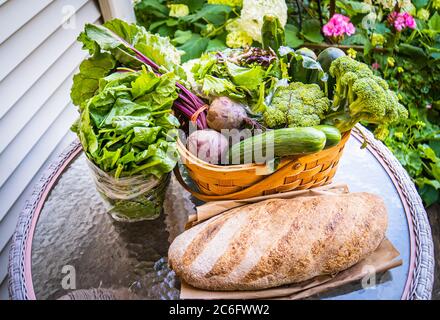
(77,245)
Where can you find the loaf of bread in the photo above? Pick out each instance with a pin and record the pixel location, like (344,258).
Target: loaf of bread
(279,241)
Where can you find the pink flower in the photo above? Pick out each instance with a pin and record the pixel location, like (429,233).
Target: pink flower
(338,26)
(401,20)
(375,66)
(409,20)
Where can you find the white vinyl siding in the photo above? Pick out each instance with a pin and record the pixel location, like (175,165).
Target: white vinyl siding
(38,56)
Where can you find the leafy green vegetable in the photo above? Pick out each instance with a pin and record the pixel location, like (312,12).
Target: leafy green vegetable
(237,74)
(86,82)
(122,40)
(126,127)
(272,33)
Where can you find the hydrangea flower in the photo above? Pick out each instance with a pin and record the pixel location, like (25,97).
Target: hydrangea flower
(423,14)
(377,39)
(387,4)
(401,20)
(352,53)
(253,11)
(238,39)
(338,26)
(178,10)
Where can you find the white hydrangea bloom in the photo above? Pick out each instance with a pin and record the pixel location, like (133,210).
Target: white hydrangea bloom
(387,4)
(253,11)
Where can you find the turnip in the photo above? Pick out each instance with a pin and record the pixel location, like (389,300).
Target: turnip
(224,113)
(208,145)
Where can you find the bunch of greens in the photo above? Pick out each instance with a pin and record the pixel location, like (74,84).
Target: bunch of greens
(117,45)
(241,75)
(127,127)
(212,25)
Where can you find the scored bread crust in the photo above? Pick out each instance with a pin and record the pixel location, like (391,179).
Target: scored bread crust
(279,241)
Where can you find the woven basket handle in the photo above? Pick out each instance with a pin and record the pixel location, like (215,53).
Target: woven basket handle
(239,194)
(196,194)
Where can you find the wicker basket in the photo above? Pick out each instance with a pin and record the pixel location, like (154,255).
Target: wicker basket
(251,180)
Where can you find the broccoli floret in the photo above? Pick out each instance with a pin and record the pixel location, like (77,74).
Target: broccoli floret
(346,70)
(362,96)
(296,105)
(274,117)
(370,99)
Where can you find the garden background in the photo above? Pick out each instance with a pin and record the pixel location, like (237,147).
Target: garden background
(399,39)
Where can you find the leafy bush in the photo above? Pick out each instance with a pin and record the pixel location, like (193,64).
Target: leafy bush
(399,39)
(196,26)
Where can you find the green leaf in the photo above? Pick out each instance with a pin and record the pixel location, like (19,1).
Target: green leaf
(292,36)
(429,195)
(435,170)
(120,39)
(145,135)
(115,129)
(420,3)
(218,86)
(86,82)
(180,37)
(428,153)
(210,13)
(194,47)
(248,78)
(357,38)
(272,33)
(353,7)
(425,181)
(434,22)
(156,24)
(216,45)
(311,31)
(416,53)
(381,28)
(146,8)
(144,84)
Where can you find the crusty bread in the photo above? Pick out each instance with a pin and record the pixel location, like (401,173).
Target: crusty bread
(277,242)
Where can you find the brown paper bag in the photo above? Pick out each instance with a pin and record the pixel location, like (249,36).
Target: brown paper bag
(381,260)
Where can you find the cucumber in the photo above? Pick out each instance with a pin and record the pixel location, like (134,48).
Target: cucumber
(332,134)
(277,143)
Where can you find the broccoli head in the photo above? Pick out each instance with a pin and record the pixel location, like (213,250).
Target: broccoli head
(360,95)
(346,70)
(296,105)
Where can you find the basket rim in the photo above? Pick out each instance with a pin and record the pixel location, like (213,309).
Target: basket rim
(188,156)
